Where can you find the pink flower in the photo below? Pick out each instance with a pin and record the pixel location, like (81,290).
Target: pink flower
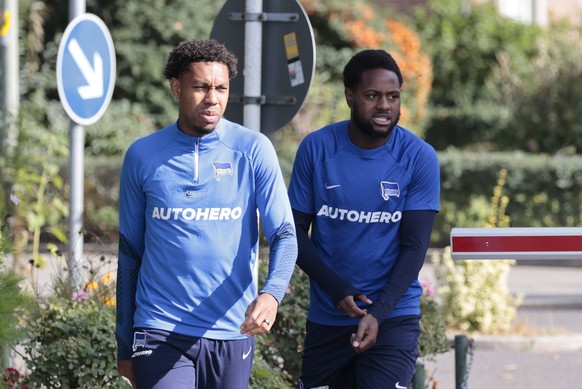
(14,199)
(429,290)
(80,295)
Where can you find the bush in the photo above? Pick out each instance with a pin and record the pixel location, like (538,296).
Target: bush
(433,337)
(73,346)
(265,375)
(14,304)
(474,294)
(543,100)
(545,191)
(283,346)
(464,46)
(71,340)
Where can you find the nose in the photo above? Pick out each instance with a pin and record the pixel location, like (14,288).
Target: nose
(211,96)
(384,103)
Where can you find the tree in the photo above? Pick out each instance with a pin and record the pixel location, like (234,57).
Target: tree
(340,31)
(464,48)
(543,101)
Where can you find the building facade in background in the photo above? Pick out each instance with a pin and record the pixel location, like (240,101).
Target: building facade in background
(540,12)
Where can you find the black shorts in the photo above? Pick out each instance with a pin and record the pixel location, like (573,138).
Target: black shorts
(164,360)
(330,362)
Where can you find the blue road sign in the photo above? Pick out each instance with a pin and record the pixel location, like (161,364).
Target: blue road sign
(86,69)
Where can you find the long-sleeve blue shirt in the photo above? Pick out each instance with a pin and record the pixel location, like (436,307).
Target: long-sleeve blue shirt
(188,213)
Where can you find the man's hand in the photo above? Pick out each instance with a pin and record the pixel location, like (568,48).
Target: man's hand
(366,335)
(260,315)
(349,307)
(125,368)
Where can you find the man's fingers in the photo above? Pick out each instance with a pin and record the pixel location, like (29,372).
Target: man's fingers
(363,298)
(349,307)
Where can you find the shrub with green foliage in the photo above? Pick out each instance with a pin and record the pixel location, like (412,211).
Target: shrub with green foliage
(283,346)
(71,339)
(542,101)
(72,345)
(433,328)
(34,177)
(545,191)
(14,303)
(264,374)
(464,44)
(475,295)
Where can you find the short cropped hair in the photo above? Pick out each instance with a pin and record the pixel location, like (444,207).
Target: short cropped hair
(210,50)
(368,60)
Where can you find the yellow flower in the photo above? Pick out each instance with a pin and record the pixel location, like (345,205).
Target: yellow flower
(107,278)
(91,285)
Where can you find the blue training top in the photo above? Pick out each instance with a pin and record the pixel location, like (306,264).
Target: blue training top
(189,231)
(358,197)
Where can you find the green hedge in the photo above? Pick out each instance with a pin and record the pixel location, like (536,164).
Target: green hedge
(543,191)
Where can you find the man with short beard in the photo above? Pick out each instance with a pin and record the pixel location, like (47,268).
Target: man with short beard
(369,191)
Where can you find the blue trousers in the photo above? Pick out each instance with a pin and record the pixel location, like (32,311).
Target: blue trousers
(165,360)
(330,362)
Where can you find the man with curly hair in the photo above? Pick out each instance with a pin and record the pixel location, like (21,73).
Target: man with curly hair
(190,197)
(368,191)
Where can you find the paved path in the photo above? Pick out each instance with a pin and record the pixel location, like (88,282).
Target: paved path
(552,309)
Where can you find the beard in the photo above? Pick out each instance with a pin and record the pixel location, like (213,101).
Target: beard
(367,127)
(202,130)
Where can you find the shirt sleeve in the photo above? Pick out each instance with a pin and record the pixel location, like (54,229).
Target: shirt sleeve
(415,230)
(424,191)
(131,245)
(310,262)
(277,219)
(301,187)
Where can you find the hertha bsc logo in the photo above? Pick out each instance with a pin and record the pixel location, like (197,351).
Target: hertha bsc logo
(389,189)
(222,169)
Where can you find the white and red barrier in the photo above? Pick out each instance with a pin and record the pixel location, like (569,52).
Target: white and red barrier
(517,243)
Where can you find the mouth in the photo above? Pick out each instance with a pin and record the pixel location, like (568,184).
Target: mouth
(381,119)
(210,116)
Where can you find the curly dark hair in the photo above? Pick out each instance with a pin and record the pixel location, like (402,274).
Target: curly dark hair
(208,50)
(368,60)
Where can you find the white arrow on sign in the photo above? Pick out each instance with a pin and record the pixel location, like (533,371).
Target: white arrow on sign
(93,74)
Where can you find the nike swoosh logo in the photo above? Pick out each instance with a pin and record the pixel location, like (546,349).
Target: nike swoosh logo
(328,187)
(194,193)
(399,387)
(245,355)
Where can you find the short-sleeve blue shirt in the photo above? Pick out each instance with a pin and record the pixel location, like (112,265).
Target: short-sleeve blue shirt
(358,197)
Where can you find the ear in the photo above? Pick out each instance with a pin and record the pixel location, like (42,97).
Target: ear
(175,87)
(349,96)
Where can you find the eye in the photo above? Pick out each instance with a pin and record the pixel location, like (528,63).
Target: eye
(372,96)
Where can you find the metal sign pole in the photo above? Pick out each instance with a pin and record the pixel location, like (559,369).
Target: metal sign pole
(253,56)
(9,84)
(76,180)
(253,74)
